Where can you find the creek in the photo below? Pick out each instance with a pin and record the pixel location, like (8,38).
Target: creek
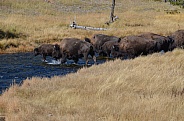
(14,68)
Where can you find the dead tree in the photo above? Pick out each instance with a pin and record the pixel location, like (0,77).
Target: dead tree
(112,16)
(112,11)
(75,26)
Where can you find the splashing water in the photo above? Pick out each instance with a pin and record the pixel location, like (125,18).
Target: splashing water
(54,62)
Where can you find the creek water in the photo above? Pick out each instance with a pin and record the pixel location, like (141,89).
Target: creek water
(14,68)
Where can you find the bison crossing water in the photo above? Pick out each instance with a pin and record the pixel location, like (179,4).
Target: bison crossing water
(110,46)
(14,68)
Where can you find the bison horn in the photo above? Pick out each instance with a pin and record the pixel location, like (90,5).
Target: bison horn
(56,45)
(119,40)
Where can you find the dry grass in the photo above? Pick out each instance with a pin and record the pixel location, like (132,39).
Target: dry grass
(144,89)
(49,22)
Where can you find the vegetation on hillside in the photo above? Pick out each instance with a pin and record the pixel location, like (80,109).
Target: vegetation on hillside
(48,22)
(174,2)
(177,2)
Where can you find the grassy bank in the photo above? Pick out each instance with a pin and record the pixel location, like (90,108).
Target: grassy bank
(41,22)
(144,89)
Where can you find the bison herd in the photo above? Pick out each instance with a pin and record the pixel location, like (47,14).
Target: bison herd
(111,46)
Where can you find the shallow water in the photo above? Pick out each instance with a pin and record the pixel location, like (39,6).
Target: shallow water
(14,68)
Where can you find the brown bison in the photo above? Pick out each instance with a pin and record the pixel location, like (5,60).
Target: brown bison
(73,48)
(99,39)
(178,37)
(133,46)
(107,47)
(163,43)
(46,50)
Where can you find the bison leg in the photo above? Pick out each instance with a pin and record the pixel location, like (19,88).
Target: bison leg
(94,59)
(63,59)
(44,57)
(108,53)
(36,51)
(86,58)
(76,60)
(103,54)
(92,54)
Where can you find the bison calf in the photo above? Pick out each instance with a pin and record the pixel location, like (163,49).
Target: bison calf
(47,50)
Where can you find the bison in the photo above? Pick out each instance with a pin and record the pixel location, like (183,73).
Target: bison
(178,38)
(74,48)
(99,39)
(163,43)
(107,47)
(133,46)
(47,50)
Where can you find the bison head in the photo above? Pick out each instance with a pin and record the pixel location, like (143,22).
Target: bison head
(36,51)
(56,52)
(115,51)
(171,42)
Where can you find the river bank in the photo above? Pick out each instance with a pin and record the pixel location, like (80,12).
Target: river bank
(145,88)
(141,89)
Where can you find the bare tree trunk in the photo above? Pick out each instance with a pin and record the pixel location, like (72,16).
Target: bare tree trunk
(112,12)
(112,16)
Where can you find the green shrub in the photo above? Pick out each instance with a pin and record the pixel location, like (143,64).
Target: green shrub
(177,2)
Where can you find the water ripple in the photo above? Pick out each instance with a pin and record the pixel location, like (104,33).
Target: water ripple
(14,68)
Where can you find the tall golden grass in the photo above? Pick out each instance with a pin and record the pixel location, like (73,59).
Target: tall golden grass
(44,22)
(148,88)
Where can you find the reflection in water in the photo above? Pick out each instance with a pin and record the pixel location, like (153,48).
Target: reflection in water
(14,68)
